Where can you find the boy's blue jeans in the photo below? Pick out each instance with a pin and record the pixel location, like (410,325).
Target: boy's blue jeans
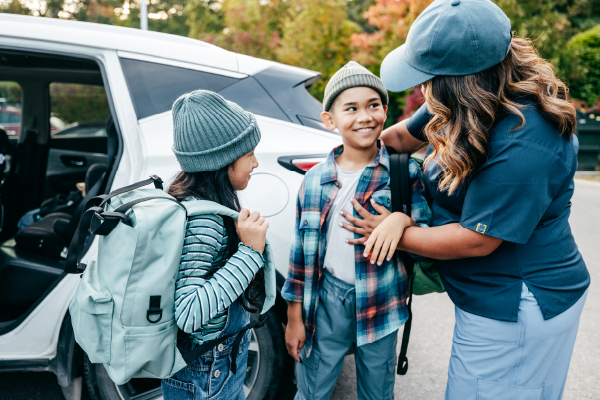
(335,334)
(209,377)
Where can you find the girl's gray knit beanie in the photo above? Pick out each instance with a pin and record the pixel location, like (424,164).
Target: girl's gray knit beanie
(349,76)
(210,132)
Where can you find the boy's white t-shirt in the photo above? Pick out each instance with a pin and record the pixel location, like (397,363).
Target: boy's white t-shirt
(339,255)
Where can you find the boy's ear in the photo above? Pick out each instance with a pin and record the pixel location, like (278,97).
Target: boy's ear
(385,108)
(328,120)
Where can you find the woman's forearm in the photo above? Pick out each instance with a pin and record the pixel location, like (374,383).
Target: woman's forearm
(448,242)
(398,137)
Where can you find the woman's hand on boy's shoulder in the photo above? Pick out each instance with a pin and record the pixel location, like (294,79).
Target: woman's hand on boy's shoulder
(367,224)
(252,229)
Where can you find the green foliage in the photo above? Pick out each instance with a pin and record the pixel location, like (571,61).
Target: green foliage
(325,34)
(163,16)
(582,57)
(11,92)
(391,21)
(551,23)
(316,35)
(14,7)
(204,18)
(77,103)
(251,27)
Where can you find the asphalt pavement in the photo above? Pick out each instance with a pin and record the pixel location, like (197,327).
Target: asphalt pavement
(431,337)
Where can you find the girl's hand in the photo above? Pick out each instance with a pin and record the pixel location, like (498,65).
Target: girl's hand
(366,225)
(384,239)
(252,229)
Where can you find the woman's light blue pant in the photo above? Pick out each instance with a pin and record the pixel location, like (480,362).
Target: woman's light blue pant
(524,360)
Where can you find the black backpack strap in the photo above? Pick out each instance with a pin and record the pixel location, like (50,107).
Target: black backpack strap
(401,202)
(158,184)
(76,247)
(191,355)
(402,358)
(96,221)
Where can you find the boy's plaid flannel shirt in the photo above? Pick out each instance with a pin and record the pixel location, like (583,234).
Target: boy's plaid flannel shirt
(381,290)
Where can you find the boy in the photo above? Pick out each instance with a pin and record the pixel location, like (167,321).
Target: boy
(337,298)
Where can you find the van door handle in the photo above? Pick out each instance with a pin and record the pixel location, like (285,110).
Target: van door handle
(73,161)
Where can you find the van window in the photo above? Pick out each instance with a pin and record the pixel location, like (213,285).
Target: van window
(77,110)
(10,108)
(250,95)
(155,87)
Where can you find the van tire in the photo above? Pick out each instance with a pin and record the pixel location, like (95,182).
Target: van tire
(273,358)
(101,387)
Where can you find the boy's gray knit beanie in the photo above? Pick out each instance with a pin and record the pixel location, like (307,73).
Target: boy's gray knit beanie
(352,75)
(210,132)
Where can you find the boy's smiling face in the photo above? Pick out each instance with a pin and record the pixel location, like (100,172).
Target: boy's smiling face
(358,114)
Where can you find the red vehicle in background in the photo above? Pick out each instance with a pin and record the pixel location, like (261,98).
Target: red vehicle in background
(10,120)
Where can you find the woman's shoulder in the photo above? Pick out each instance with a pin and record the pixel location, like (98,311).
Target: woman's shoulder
(536,129)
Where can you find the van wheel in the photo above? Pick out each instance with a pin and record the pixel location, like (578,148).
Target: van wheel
(266,362)
(101,387)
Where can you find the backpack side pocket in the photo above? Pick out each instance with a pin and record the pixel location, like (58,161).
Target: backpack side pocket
(91,314)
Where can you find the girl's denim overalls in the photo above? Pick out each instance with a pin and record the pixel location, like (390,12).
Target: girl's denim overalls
(210,376)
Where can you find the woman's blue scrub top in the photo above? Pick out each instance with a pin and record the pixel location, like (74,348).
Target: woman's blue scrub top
(522,195)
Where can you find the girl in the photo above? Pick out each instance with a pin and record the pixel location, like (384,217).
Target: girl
(221,260)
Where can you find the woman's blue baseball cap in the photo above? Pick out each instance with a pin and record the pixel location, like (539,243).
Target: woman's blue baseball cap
(450,37)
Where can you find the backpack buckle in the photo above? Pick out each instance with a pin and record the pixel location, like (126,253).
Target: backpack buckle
(104,222)
(154,309)
(81,268)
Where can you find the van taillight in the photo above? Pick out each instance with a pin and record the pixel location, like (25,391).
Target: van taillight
(301,164)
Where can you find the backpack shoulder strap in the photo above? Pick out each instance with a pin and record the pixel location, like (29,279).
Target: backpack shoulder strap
(199,207)
(400,182)
(401,202)
(95,220)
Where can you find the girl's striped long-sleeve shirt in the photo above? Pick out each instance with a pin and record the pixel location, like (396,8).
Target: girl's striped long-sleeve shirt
(207,283)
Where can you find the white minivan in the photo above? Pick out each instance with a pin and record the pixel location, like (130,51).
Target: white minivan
(114,88)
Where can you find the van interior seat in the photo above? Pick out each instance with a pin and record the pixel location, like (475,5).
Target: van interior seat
(26,275)
(52,234)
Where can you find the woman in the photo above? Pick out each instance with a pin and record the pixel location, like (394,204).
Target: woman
(500,167)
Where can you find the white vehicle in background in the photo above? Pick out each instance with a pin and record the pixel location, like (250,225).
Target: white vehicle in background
(141,73)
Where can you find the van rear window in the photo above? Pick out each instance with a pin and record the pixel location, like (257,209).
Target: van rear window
(155,87)
(278,92)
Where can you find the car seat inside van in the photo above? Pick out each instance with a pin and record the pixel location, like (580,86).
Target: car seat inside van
(68,141)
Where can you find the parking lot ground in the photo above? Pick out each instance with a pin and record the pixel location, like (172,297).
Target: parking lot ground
(431,337)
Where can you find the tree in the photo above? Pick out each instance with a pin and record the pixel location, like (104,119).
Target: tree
(316,35)
(392,20)
(550,23)
(163,16)
(251,27)
(204,18)
(14,7)
(583,66)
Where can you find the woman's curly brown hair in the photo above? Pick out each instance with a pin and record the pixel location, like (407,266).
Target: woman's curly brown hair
(466,107)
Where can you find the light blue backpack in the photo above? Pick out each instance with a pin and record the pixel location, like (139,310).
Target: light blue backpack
(123,312)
